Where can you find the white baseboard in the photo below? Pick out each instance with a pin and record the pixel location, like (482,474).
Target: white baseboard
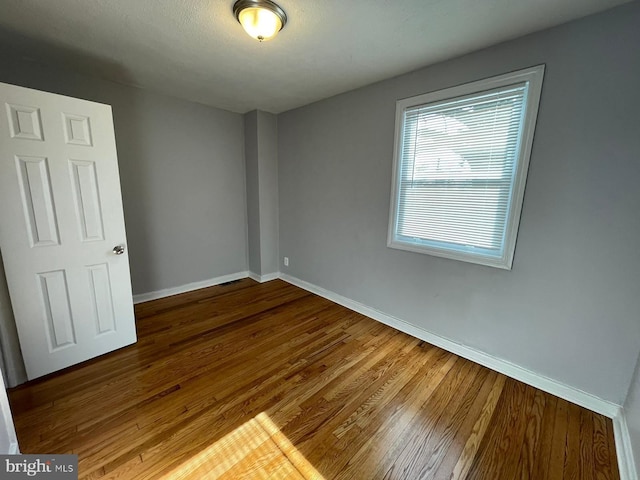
(264,278)
(167,292)
(505,367)
(14,449)
(624,451)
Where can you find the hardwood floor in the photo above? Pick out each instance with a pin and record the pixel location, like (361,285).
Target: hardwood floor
(252,380)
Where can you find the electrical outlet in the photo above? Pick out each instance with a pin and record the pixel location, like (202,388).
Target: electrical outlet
(286,261)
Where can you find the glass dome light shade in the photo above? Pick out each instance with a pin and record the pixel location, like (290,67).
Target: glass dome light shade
(261,19)
(259,23)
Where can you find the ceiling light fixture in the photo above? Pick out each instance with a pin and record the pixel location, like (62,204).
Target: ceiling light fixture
(261,19)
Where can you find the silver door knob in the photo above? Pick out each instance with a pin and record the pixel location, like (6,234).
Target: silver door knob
(118,249)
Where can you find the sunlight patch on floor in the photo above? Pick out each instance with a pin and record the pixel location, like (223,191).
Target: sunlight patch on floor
(256,449)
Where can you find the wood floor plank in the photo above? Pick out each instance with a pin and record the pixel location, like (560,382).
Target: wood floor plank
(572,446)
(465,459)
(528,453)
(388,436)
(400,462)
(545,440)
(332,448)
(437,442)
(249,380)
(559,440)
(587,454)
(500,452)
(601,458)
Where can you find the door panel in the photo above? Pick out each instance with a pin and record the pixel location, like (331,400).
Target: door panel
(37,201)
(87,200)
(102,298)
(55,299)
(60,219)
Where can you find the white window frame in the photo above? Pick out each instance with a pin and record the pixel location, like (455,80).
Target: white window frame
(533,76)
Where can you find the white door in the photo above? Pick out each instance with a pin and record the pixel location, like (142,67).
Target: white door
(62,231)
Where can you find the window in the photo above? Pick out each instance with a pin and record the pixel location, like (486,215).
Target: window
(460,167)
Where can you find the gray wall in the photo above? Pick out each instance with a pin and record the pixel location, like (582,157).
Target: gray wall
(11,362)
(8,440)
(261,157)
(632,414)
(569,308)
(182,175)
(253,190)
(268,170)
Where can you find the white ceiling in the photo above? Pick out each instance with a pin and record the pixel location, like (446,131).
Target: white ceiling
(195,49)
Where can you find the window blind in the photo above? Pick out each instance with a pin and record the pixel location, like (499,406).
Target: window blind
(457,168)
